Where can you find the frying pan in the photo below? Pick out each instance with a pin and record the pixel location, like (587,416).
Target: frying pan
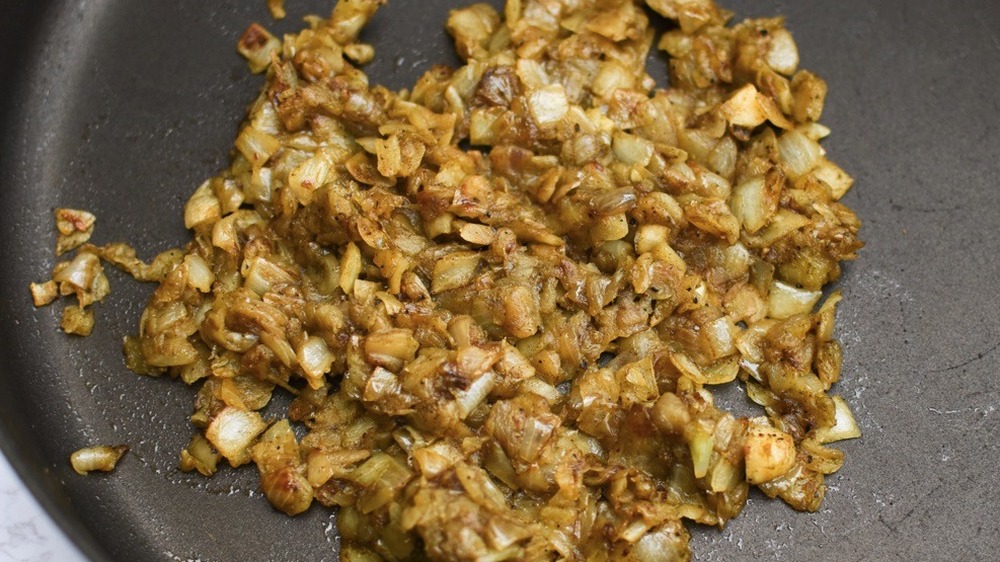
(123,107)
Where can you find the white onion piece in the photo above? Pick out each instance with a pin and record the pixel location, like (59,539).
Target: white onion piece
(315,359)
(532,73)
(453,271)
(232,431)
(835,177)
(541,388)
(548,105)
(261,275)
(700,445)
(256,146)
(768,452)
(612,76)
(199,275)
(80,272)
(631,149)
(845,426)
(800,154)
(742,108)
(749,204)
(659,544)
(469,399)
(481,123)
(309,176)
(785,301)
(813,131)
(436,458)
(635,530)
(784,55)
(101,458)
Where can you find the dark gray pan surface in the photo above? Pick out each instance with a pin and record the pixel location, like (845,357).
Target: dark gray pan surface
(123,107)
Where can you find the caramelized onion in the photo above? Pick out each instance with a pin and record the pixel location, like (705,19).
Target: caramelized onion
(506,352)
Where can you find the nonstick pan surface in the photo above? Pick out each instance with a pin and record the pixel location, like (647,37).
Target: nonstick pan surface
(124,107)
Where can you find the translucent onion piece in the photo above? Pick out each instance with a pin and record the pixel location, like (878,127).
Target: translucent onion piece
(845,426)
(232,431)
(100,458)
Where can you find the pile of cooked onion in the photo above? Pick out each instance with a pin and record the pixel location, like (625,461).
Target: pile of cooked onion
(506,352)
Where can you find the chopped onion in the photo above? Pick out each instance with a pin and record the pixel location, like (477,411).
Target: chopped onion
(80,273)
(785,301)
(199,275)
(751,204)
(548,105)
(436,458)
(631,149)
(743,108)
(800,155)
(257,45)
(453,271)
(262,275)
(232,431)
(700,445)
(391,348)
(507,353)
(769,453)
(833,176)
(537,386)
(101,458)
(44,293)
(309,176)
(257,146)
(203,207)
(845,426)
(198,455)
(783,56)
(315,359)
(75,228)
(612,76)
(77,320)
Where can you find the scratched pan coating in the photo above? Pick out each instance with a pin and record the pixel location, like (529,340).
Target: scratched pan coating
(123,107)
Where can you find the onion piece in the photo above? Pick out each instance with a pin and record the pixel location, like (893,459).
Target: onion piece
(202,207)
(75,228)
(548,105)
(315,359)
(700,445)
(277,8)
(198,455)
(391,348)
(102,458)
(310,175)
(262,275)
(79,274)
(382,476)
(785,301)
(835,177)
(631,149)
(845,426)
(752,205)
(453,271)
(768,452)
(232,431)
(44,293)
(256,45)
(798,153)
(783,55)
(199,274)
(77,320)
(470,398)
(257,146)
